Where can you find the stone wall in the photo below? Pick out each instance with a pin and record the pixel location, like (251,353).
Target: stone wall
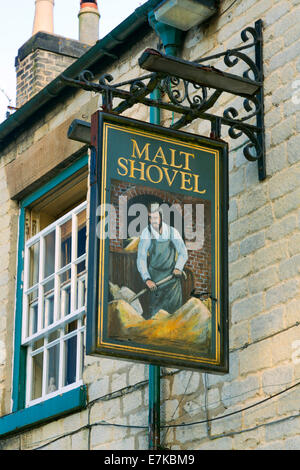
(264,266)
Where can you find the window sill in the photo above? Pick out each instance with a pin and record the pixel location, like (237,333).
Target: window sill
(42,412)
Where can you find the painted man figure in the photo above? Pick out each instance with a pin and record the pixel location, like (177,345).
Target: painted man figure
(161,253)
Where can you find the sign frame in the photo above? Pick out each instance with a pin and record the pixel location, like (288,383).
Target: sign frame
(97,341)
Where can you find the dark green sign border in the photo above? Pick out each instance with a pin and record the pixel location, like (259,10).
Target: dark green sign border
(97,343)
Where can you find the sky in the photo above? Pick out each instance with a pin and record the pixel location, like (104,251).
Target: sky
(16,22)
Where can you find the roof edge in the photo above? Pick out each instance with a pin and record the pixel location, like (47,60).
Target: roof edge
(104,46)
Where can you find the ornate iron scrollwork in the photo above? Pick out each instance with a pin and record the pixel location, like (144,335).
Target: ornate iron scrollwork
(193,101)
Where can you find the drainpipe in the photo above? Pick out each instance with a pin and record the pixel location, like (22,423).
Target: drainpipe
(154,371)
(171,39)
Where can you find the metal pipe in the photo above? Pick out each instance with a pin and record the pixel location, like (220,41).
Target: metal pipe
(154,371)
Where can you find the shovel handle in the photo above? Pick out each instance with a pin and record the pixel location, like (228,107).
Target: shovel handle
(159,283)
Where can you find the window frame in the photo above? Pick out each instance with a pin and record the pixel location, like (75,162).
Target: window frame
(60,320)
(77,398)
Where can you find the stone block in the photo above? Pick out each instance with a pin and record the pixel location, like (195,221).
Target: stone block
(252,200)
(254,222)
(248,440)
(252,243)
(239,335)
(262,280)
(282,345)
(293,149)
(284,182)
(239,391)
(185,382)
(98,388)
(238,290)
(80,440)
(233,252)
(247,308)
(289,268)
(222,443)
(286,128)
(282,429)
(292,443)
(236,182)
(105,410)
(276,12)
(267,324)
(255,357)
(260,414)
(132,401)
(281,228)
(277,379)
(287,203)
(281,293)
(240,269)
(292,312)
(269,255)
(169,410)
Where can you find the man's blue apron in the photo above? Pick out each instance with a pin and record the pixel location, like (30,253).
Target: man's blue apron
(162,260)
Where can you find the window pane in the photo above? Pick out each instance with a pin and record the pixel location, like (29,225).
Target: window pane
(81,233)
(34,254)
(33,312)
(53,368)
(65,293)
(38,344)
(37,376)
(71,327)
(81,290)
(81,267)
(49,303)
(53,336)
(66,243)
(70,360)
(49,254)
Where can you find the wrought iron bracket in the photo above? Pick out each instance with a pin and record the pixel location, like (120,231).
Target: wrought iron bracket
(192,98)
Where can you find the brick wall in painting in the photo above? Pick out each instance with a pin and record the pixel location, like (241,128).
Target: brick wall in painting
(199,260)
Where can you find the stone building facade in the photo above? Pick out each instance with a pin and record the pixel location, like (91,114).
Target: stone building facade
(264,258)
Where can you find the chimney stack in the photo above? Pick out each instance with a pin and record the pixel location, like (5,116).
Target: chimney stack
(45,55)
(89,17)
(43,18)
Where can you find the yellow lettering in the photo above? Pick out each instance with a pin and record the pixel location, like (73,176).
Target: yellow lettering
(196,186)
(173,151)
(160,154)
(185,179)
(187,155)
(122,165)
(160,174)
(140,153)
(169,180)
(141,170)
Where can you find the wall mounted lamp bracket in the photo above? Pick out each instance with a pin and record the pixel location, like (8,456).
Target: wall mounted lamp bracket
(191,89)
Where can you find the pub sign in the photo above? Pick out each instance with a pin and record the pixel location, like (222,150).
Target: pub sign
(157,272)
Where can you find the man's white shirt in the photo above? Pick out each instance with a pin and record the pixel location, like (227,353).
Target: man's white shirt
(167,233)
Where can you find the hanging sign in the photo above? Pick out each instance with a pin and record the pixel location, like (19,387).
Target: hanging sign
(157,272)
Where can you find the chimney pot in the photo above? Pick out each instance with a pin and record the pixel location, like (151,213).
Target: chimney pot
(43,18)
(89,17)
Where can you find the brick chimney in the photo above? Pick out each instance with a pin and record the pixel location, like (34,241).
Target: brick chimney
(89,17)
(45,55)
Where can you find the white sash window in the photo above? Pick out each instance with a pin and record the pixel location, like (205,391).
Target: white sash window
(54,306)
